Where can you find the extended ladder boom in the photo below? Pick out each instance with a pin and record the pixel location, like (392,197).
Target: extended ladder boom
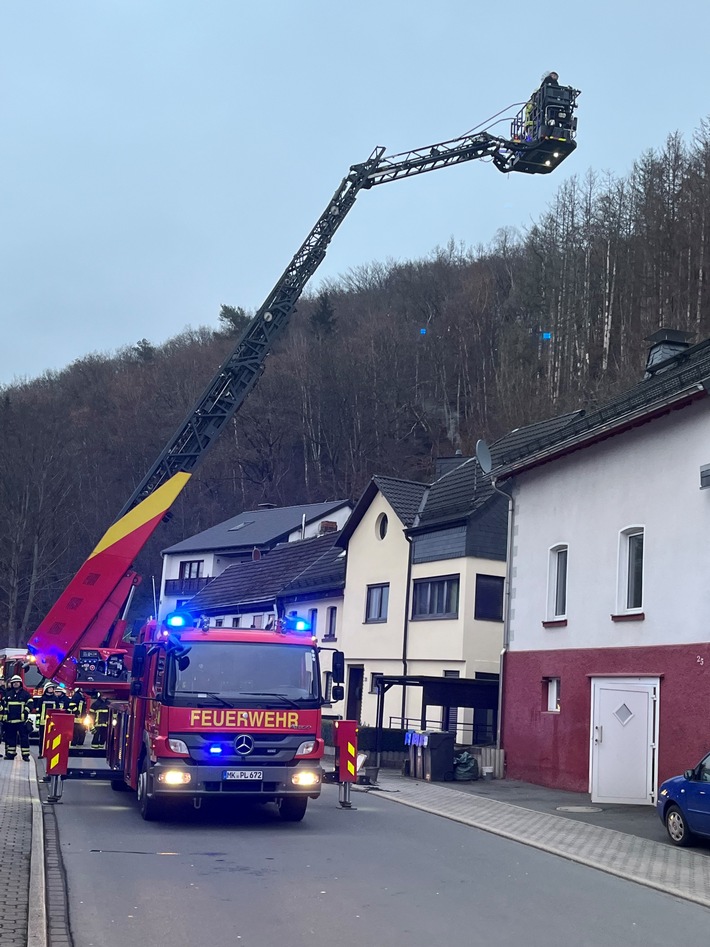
(84,614)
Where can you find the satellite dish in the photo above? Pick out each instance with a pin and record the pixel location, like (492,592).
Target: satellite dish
(483,456)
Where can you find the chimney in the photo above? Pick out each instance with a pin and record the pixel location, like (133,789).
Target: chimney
(666,346)
(327,526)
(445,464)
(255,554)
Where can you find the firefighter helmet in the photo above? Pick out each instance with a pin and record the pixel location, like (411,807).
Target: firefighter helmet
(48,685)
(15,677)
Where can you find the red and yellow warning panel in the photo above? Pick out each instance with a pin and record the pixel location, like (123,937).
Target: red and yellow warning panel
(346,745)
(57,740)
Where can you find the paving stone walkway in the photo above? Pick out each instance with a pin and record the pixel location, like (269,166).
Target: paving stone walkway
(15,850)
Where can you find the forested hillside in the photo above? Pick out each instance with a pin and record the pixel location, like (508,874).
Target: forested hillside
(383,370)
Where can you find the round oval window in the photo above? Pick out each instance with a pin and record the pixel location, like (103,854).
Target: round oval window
(382,524)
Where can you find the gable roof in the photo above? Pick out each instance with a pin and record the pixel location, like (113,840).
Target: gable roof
(262,527)
(404,496)
(684,378)
(262,580)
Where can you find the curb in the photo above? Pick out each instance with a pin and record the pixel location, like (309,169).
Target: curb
(37,916)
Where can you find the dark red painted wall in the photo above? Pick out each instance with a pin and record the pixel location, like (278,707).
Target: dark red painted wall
(552,749)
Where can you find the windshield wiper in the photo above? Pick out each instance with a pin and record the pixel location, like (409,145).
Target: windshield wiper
(226,703)
(286,700)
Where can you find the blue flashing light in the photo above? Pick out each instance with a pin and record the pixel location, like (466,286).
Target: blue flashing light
(216,749)
(545,336)
(294,622)
(178,620)
(422,332)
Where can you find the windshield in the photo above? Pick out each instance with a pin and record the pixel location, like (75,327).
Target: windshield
(244,671)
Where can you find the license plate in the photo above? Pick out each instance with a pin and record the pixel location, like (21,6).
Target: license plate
(243,774)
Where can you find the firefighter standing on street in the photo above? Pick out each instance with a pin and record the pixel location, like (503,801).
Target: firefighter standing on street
(15,714)
(52,699)
(100,711)
(77,706)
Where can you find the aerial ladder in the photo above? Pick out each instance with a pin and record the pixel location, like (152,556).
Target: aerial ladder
(87,624)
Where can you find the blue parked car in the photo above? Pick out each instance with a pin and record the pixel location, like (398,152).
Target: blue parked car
(684,804)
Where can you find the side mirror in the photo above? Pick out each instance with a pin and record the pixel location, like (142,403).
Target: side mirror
(337,692)
(338,668)
(138,665)
(689,774)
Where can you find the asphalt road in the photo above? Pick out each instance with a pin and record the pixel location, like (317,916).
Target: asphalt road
(378,874)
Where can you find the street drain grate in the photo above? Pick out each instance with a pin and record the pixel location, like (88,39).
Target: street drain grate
(579,809)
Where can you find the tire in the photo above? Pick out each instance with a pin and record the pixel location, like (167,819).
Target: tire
(293,808)
(677,827)
(151,809)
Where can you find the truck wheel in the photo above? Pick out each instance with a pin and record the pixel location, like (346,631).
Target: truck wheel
(150,808)
(292,808)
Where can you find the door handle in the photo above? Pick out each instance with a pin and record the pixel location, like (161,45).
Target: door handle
(598,737)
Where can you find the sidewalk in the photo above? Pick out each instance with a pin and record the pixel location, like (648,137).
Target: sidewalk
(22,920)
(656,864)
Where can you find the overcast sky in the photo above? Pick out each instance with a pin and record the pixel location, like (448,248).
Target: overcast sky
(161,157)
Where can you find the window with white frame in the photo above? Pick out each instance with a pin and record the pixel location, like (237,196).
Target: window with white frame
(313,619)
(557,582)
(553,694)
(630,591)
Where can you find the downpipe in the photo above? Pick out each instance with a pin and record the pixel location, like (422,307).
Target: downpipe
(506,609)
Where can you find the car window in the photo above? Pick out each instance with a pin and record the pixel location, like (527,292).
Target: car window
(704,770)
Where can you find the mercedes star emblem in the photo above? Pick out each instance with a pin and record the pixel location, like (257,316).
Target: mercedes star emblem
(244,744)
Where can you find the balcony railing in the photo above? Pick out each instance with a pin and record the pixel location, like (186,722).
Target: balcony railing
(185,586)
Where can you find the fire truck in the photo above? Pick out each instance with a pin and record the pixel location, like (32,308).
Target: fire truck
(235,714)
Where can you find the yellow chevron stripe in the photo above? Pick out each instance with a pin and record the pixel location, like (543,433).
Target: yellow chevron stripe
(157,503)
(56,741)
(351,768)
(351,749)
(53,762)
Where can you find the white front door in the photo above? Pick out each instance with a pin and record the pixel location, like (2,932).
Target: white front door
(624,739)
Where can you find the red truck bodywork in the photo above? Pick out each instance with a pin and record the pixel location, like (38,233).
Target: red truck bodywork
(263,746)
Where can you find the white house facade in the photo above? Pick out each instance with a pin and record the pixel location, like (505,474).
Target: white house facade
(607,672)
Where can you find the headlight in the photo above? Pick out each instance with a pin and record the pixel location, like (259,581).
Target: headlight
(664,792)
(307,747)
(305,778)
(178,746)
(174,777)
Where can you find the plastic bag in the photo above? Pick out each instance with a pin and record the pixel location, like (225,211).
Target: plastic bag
(465,767)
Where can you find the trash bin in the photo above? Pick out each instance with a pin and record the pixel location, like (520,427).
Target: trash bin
(438,757)
(414,740)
